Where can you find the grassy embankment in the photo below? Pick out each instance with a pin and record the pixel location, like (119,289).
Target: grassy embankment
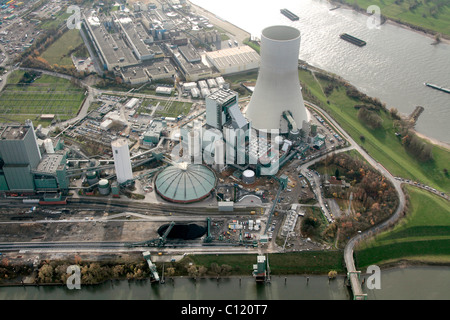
(423,236)
(426,231)
(431,16)
(310,262)
(59,52)
(382,143)
(46,95)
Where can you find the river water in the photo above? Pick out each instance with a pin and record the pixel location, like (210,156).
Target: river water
(393,66)
(413,283)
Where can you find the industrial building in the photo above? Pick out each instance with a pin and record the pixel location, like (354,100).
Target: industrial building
(23,168)
(234,60)
(111,48)
(217,105)
(185,183)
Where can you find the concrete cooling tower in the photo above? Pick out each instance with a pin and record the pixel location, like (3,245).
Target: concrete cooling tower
(277,101)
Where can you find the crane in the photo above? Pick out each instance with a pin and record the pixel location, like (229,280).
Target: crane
(157,242)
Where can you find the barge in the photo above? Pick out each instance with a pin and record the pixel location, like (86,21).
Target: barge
(437,87)
(289,14)
(352,39)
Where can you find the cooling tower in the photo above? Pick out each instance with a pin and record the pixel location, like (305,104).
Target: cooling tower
(278,87)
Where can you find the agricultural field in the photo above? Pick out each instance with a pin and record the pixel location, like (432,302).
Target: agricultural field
(424,234)
(45,95)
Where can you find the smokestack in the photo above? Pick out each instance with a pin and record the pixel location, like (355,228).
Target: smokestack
(278,87)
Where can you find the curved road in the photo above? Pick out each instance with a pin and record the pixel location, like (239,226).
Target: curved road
(349,248)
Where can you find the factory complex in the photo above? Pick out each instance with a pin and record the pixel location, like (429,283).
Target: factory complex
(188,143)
(156,42)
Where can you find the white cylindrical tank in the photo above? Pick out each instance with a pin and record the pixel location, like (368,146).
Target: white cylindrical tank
(248,176)
(48,143)
(122,162)
(277,88)
(279,140)
(103,187)
(195,143)
(219,154)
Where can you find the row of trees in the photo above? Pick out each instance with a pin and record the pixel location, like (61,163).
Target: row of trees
(94,272)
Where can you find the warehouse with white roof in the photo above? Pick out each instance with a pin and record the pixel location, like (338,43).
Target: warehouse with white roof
(234,60)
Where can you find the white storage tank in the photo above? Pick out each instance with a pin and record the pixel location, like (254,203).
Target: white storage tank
(248,176)
(122,161)
(103,187)
(48,144)
(279,140)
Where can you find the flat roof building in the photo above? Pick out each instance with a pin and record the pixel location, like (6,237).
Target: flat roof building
(234,60)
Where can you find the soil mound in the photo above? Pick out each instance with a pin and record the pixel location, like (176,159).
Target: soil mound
(183,231)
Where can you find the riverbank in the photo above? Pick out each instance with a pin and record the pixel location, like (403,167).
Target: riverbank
(237,32)
(416,27)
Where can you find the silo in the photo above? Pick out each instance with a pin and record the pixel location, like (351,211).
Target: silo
(248,177)
(91,177)
(49,146)
(277,90)
(103,187)
(122,161)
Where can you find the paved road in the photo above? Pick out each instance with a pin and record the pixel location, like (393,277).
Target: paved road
(349,249)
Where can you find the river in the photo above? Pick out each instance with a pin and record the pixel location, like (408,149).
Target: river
(393,66)
(413,283)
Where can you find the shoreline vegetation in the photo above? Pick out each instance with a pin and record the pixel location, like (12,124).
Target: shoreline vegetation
(424,16)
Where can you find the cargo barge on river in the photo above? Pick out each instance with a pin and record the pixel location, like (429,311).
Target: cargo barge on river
(289,14)
(437,87)
(352,39)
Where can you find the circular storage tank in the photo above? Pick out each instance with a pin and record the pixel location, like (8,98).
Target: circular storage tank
(103,187)
(185,183)
(91,177)
(248,176)
(279,140)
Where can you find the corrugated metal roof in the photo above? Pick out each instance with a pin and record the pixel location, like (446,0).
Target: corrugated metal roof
(185,183)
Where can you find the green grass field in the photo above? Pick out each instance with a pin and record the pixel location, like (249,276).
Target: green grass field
(432,15)
(46,95)
(382,144)
(58,52)
(424,233)
(308,262)
(53,23)
(172,108)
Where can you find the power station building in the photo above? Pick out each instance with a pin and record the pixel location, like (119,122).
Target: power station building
(23,168)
